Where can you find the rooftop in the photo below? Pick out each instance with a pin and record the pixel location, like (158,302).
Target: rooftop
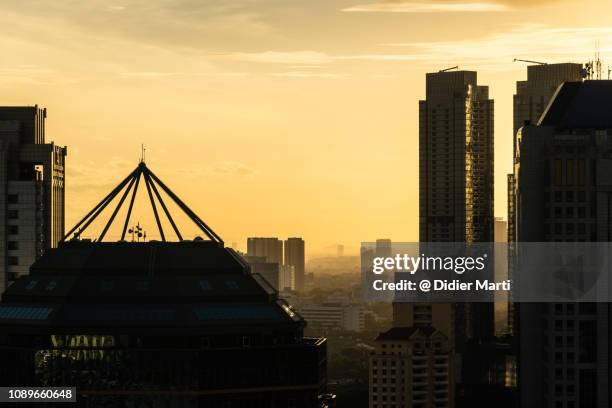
(580,105)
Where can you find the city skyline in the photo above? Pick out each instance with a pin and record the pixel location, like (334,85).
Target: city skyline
(193,82)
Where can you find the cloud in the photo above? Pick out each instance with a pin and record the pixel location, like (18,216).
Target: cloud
(294,58)
(444,6)
(529,41)
(276,57)
(422,7)
(306,74)
(232,168)
(155,74)
(90,177)
(494,51)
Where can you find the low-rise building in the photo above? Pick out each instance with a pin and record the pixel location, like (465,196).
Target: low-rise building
(411,368)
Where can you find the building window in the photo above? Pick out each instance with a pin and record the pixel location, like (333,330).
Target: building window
(580,175)
(569,172)
(13,229)
(13,245)
(13,214)
(13,260)
(558,172)
(13,199)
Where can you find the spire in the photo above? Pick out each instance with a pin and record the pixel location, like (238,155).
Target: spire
(130,184)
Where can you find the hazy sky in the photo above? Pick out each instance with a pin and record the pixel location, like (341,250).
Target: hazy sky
(273,117)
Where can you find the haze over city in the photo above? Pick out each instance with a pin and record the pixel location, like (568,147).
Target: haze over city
(274,118)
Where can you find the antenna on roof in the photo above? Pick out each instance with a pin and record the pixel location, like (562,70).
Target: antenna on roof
(142,153)
(593,68)
(449,69)
(530,61)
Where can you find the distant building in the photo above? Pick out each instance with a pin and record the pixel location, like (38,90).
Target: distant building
(382,248)
(501,230)
(340,250)
(32,185)
(501,273)
(295,256)
(411,367)
(270,248)
(287,277)
(270,271)
(334,315)
(563,171)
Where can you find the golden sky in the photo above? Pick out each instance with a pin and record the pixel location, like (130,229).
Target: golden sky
(273,117)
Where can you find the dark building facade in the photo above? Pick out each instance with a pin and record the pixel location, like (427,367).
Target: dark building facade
(32,184)
(563,191)
(127,323)
(157,324)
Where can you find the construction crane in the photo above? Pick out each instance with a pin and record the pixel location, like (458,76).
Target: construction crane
(449,69)
(530,61)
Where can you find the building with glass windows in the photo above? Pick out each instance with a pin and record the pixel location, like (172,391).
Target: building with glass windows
(157,324)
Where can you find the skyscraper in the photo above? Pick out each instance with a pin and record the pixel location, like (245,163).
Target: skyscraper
(455,201)
(455,187)
(562,193)
(531,98)
(295,256)
(455,159)
(31,190)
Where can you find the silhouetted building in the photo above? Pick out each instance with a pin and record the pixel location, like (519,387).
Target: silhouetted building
(382,248)
(533,95)
(269,270)
(270,248)
(531,98)
(563,170)
(295,256)
(455,159)
(181,324)
(455,190)
(411,367)
(31,191)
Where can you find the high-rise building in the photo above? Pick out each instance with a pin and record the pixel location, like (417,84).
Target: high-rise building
(31,191)
(562,193)
(531,98)
(455,159)
(270,248)
(455,188)
(411,367)
(295,256)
